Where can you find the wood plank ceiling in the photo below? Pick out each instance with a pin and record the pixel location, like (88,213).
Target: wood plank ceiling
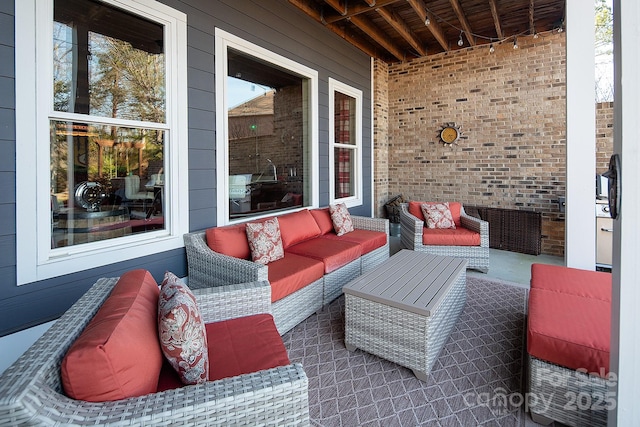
(401,30)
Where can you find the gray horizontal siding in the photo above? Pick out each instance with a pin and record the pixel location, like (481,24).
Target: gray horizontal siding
(274,25)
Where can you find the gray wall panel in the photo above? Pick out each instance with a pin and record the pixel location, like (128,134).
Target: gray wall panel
(272,24)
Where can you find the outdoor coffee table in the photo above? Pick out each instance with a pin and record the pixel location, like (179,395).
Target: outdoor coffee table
(405,309)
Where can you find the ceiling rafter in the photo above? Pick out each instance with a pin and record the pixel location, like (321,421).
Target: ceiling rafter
(399,30)
(310,10)
(365,24)
(402,28)
(455,4)
(496,18)
(357,10)
(435,28)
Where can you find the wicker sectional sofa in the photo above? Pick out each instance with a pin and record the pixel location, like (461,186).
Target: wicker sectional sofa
(32,390)
(317,262)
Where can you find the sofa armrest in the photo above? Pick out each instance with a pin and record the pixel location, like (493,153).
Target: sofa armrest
(477,225)
(209,268)
(231,301)
(373,224)
(410,229)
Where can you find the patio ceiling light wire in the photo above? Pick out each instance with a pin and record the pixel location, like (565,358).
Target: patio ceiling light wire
(492,40)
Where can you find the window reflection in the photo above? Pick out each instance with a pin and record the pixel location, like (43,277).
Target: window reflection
(268,142)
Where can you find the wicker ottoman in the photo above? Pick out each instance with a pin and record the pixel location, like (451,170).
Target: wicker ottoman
(404,309)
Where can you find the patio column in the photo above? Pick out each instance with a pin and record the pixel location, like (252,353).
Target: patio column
(580,221)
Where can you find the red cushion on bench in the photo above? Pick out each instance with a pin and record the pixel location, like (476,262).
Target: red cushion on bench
(574,281)
(291,273)
(450,237)
(367,239)
(569,330)
(334,254)
(237,347)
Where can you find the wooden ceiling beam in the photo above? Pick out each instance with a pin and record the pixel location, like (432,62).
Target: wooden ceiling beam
(402,28)
(337,6)
(455,4)
(378,36)
(311,11)
(357,10)
(532,27)
(496,18)
(434,27)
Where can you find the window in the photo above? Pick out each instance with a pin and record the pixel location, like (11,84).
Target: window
(108,123)
(345,136)
(267,143)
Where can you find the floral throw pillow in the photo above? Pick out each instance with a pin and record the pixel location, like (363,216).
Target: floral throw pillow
(265,241)
(181,330)
(438,215)
(341,218)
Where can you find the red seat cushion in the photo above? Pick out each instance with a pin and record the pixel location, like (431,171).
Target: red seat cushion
(291,273)
(367,239)
(229,240)
(118,354)
(237,347)
(569,330)
(450,237)
(586,283)
(297,227)
(333,253)
(415,209)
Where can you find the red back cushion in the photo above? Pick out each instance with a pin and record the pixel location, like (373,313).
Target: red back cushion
(297,227)
(118,354)
(323,219)
(415,209)
(229,240)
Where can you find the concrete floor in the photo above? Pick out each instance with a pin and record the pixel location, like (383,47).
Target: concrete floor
(503,265)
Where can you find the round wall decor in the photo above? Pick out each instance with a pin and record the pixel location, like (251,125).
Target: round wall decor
(450,133)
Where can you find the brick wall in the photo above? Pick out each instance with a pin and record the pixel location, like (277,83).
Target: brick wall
(380,137)
(510,105)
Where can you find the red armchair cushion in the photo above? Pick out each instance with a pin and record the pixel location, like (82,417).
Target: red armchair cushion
(118,354)
(297,227)
(323,218)
(415,209)
(229,240)
(450,237)
(237,347)
(291,273)
(367,239)
(570,317)
(333,255)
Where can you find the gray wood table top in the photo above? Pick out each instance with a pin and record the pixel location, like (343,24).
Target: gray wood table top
(413,281)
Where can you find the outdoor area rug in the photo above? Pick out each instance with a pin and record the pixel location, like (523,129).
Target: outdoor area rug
(475,381)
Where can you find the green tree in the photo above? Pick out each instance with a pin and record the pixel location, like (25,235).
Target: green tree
(604,51)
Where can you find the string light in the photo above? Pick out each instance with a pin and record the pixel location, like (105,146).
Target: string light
(491,48)
(460,41)
(427,21)
(515,42)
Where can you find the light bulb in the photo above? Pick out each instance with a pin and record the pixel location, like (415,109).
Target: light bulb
(560,30)
(427,21)
(515,43)
(491,48)
(460,42)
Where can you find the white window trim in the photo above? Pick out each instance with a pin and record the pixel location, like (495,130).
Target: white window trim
(356,199)
(224,40)
(34,257)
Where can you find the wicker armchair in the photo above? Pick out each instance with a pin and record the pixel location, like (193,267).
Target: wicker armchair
(31,390)
(411,229)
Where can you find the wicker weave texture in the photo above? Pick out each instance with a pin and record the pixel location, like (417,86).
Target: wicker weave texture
(207,268)
(478,256)
(568,396)
(31,389)
(408,339)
